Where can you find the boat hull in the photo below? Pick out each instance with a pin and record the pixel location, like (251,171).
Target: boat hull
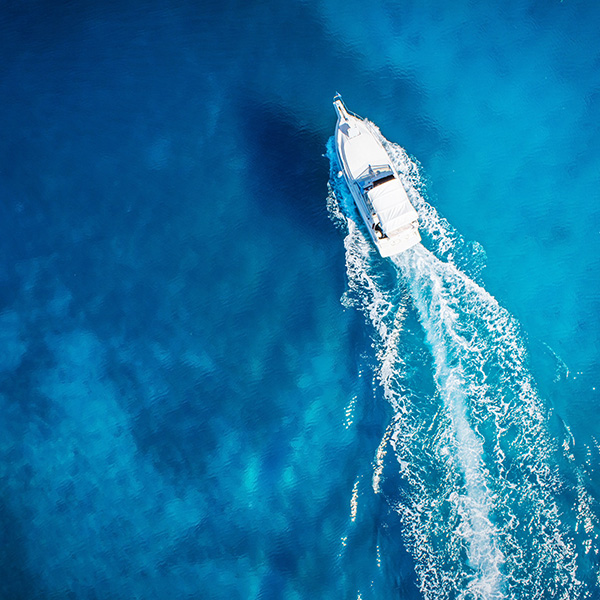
(374,184)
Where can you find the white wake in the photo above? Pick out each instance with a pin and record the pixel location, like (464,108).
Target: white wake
(479,490)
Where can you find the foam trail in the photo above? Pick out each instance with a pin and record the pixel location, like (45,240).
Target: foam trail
(502,444)
(479,489)
(439,321)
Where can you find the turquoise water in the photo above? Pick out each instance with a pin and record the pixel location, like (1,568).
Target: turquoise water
(211,386)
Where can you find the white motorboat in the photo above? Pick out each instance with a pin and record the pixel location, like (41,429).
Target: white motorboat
(374,183)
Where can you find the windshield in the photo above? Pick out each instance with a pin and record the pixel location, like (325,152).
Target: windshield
(376,176)
(384,179)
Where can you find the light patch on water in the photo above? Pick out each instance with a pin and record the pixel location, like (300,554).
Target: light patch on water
(158,153)
(86,470)
(349,412)
(354,501)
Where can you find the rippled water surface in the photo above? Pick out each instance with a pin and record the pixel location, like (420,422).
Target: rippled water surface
(211,386)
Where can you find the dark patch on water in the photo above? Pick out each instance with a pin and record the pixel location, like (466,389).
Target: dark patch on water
(175,429)
(285,159)
(17,581)
(25,407)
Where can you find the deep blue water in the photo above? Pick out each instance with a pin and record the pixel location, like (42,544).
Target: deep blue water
(210,384)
